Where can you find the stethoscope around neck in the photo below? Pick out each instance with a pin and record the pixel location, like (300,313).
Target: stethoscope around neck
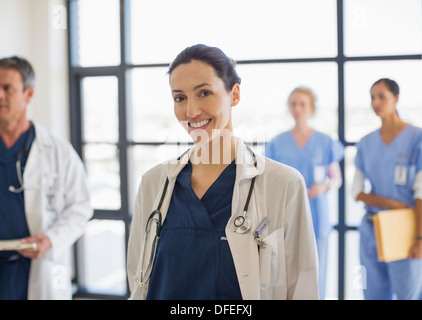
(242,224)
(23,153)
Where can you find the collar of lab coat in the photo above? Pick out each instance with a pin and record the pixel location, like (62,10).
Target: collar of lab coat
(33,175)
(42,136)
(41,142)
(245,159)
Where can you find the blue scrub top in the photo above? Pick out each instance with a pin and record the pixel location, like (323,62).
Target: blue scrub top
(312,161)
(14,269)
(381,163)
(193,259)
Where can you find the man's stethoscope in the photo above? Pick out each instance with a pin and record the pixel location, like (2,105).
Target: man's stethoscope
(242,224)
(23,153)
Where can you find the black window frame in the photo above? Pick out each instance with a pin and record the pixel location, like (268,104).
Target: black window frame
(77,73)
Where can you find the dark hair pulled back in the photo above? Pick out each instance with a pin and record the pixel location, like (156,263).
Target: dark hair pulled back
(224,66)
(392,86)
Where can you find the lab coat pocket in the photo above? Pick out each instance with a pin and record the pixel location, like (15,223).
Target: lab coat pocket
(227,281)
(272,261)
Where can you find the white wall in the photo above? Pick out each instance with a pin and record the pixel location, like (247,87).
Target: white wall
(36,30)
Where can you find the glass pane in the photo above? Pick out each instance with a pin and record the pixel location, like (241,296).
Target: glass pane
(359,77)
(146,157)
(102,267)
(151,113)
(331,287)
(354,209)
(355,275)
(98,32)
(100,109)
(382,27)
(332,196)
(102,166)
(262,112)
(242,28)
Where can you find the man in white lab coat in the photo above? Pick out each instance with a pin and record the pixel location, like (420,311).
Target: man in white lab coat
(43,194)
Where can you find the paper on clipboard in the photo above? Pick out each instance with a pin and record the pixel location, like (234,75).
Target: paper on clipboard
(16,244)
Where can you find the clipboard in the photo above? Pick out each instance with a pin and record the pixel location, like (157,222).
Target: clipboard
(395,232)
(15,244)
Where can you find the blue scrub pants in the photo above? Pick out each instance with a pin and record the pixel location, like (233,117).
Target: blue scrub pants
(14,276)
(401,279)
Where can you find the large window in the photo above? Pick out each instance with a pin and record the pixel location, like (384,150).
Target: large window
(122,112)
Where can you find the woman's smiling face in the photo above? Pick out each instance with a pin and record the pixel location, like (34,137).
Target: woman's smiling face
(201,102)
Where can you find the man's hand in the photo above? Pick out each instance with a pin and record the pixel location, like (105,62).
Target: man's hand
(43,245)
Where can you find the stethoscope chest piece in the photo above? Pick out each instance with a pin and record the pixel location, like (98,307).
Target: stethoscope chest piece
(242,224)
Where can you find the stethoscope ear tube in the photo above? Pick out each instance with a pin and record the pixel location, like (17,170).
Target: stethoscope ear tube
(163,194)
(242,223)
(245,209)
(157,222)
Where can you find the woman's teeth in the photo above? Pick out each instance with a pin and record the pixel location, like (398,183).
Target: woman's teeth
(199,123)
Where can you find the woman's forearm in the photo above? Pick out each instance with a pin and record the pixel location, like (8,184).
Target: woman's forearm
(378,201)
(418,210)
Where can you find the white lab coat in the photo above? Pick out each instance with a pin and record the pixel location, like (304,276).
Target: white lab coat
(290,269)
(53,167)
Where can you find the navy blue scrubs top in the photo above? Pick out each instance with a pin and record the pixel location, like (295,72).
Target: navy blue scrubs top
(193,259)
(14,269)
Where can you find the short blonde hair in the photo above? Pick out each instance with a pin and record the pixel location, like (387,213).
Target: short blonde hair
(307,91)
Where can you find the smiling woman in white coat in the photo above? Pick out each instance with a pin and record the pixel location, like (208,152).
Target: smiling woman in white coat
(43,194)
(219,222)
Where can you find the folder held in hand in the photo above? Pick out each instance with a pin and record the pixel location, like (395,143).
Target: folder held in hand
(395,232)
(16,244)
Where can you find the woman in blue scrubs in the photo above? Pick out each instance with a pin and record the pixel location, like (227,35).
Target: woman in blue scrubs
(317,157)
(391,159)
(231,224)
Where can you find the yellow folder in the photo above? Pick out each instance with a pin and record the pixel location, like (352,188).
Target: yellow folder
(395,232)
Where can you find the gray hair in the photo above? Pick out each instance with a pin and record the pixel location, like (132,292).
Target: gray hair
(23,67)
